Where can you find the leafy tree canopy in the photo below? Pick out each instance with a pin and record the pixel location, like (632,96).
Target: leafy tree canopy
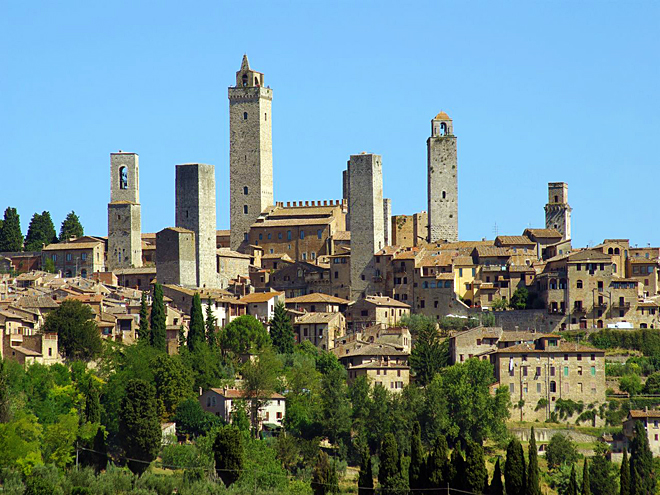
(78,335)
(244,335)
(11,238)
(41,231)
(281,330)
(71,227)
(561,449)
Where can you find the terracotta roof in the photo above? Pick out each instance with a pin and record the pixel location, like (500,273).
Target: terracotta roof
(179,229)
(442,116)
(463,260)
(315,318)
(562,347)
(514,240)
(378,365)
(145,270)
(386,301)
(375,350)
(487,251)
(43,302)
(291,222)
(259,297)
(61,246)
(640,414)
(276,256)
(543,232)
(388,251)
(222,232)
(228,253)
(317,297)
(342,235)
(232,393)
(589,255)
(25,351)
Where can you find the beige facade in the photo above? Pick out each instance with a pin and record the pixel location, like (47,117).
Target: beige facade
(442,180)
(321,329)
(382,364)
(317,302)
(222,402)
(76,258)
(651,422)
(410,230)
(373,310)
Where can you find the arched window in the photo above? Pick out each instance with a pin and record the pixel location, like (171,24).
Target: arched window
(244,115)
(443,129)
(444,194)
(553,283)
(245,79)
(579,284)
(256,81)
(610,251)
(556,199)
(617,251)
(123,178)
(245,190)
(562,283)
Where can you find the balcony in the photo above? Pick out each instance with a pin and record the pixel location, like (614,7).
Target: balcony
(579,309)
(621,304)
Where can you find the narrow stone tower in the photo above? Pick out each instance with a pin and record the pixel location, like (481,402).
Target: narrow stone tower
(442,180)
(250,152)
(195,211)
(557,211)
(124,217)
(365,205)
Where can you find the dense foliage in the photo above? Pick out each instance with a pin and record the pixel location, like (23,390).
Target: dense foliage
(71,227)
(78,336)
(41,231)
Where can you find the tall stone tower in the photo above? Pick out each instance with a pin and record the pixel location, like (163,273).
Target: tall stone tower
(124,217)
(195,211)
(442,180)
(250,152)
(365,204)
(557,211)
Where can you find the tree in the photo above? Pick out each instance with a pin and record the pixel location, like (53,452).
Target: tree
(561,449)
(586,485)
(624,475)
(49,266)
(229,454)
(652,385)
(456,476)
(642,477)
(514,468)
(496,487)
(259,382)
(210,323)
(533,485)
(157,323)
(437,463)
(143,331)
(631,383)
(602,476)
(71,227)
(519,299)
(172,382)
(196,330)
(192,420)
(41,231)
(11,238)
(92,403)
(5,412)
(335,406)
(572,484)
(389,471)
(427,356)
(243,335)
(417,468)
(281,330)
(476,475)
(322,476)
(140,432)
(366,475)
(77,333)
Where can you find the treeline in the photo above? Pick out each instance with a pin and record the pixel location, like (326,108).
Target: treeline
(41,230)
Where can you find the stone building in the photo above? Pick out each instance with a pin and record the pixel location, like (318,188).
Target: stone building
(651,421)
(365,207)
(124,216)
(195,210)
(410,230)
(317,302)
(176,262)
(538,375)
(250,152)
(557,211)
(382,364)
(442,180)
(79,257)
(222,402)
(320,328)
(387,221)
(373,310)
(231,265)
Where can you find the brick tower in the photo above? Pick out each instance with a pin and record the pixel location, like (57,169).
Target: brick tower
(557,211)
(442,180)
(250,152)
(124,217)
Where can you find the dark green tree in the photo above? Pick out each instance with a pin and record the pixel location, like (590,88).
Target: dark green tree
(496,486)
(157,323)
(100,451)
(210,323)
(196,330)
(389,470)
(41,231)
(476,474)
(624,475)
(77,333)
(229,454)
(437,464)
(144,332)
(456,470)
(652,384)
(192,420)
(561,449)
(259,382)
(139,428)
(172,382)
(243,335)
(642,476)
(92,403)
(322,476)
(428,355)
(281,330)
(71,227)
(366,476)
(335,406)
(49,266)
(514,468)
(519,299)
(417,469)
(5,394)
(602,475)
(11,238)
(572,484)
(533,482)
(586,485)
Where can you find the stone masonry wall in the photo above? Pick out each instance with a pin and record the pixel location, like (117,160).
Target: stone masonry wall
(442,188)
(124,239)
(175,257)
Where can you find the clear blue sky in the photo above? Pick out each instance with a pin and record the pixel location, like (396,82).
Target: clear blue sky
(539,92)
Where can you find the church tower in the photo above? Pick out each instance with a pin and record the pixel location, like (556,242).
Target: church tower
(124,216)
(442,180)
(557,211)
(250,152)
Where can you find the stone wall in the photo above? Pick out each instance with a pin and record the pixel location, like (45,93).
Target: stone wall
(528,319)
(175,257)
(387,221)
(442,188)
(124,235)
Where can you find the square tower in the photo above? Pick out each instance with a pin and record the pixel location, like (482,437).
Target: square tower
(176,261)
(250,152)
(195,210)
(557,211)
(365,206)
(124,214)
(442,180)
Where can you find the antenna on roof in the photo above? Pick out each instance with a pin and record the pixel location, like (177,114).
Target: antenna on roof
(495,230)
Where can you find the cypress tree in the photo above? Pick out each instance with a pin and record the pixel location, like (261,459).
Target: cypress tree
(281,330)
(143,330)
(437,464)
(533,485)
(40,231)
(514,468)
(642,478)
(366,476)
(456,470)
(416,472)
(71,227)
(572,483)
(586,486)
(100,454)
(11,238)
(476,475)
(624,475)
(496,486)
(229,454)
(388,471)
(92,404)
(210,323)
(157,325)
(196,331)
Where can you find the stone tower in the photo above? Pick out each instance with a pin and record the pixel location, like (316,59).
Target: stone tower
(124,217)
(365,205)
(250,152)
(557,211)
(176,260)
(195,211)
(442,180)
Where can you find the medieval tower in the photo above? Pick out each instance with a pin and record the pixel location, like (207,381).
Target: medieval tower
(365,204)
(250,152)
(557,211)
(124,217)
(442,180)
(195,211)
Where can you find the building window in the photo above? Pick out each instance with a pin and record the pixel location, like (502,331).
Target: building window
(83,256)
(302,234)
(579,357)
(579,284)
(593,357)
(553,386)
(245,237)
(244,115)
(279,235)
(552,371)
(261,237)
(245,190)
(593,371)
(245,209)
(288,235)
(68,256)
(565,370)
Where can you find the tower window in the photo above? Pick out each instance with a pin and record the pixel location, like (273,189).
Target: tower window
(302,234)
(244,115)
(245,190)
(319,233)
(245,209)
(123,178)
(245,79)
(288,236)
(444,194)
(265,116)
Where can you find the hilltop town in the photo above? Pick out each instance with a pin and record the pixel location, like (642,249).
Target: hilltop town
(561,329)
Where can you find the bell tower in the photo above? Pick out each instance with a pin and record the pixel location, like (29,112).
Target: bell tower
(557,210)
